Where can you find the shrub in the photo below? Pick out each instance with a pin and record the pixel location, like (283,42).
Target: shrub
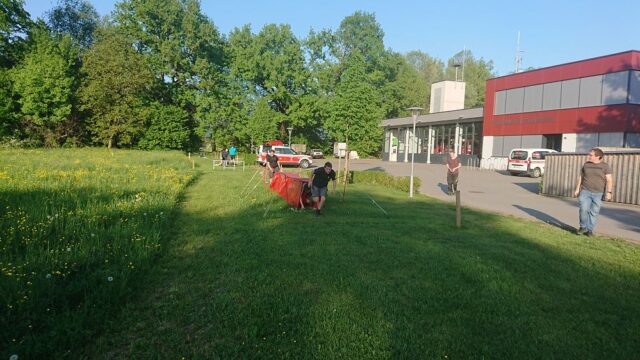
(401,183)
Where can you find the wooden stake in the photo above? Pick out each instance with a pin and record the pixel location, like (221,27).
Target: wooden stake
(458,210)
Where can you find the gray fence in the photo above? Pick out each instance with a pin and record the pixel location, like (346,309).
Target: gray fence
(562,171)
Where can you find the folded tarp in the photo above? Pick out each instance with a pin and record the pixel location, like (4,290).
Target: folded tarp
(290,187)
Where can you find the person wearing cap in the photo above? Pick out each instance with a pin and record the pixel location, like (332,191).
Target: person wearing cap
(319,182)
(595,184)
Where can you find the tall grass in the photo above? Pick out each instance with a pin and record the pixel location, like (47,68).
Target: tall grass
(77,228)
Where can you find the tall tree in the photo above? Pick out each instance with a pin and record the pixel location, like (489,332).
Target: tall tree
(14,24)
(273,66)
(78,18)
(118,79)
(45,82)
(184,49)
(429,70)
(356,111)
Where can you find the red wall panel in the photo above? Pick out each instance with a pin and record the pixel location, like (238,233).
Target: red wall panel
(614,118)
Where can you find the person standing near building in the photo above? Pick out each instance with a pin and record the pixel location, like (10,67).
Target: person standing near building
(273,163)
(453,170)
(595,184)
(319,182)
(232,153)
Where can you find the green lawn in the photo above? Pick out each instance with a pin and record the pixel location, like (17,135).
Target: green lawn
(247,277)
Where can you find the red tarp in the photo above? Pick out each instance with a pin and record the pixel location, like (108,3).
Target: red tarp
(289,186)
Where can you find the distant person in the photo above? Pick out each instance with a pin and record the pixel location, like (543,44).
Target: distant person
(225,156)
(232,154)
(453,171)
(595,184)
(273,163)
(319,181)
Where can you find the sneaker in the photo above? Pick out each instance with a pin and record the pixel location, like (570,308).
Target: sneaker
(589,233)
(582,231)
(317,212)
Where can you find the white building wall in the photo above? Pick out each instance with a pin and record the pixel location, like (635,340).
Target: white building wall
(569,142)
(447,96)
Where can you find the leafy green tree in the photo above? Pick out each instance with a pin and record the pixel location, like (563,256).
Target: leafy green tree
(14,23)
(45,82)
(429,70)
(118,79)
(356,111)
(272,66)
(7,104)
(167,128)
(78,18)
(476,73)
(184,48)
(262,124)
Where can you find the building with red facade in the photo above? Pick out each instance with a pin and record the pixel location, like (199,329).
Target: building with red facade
(570,107)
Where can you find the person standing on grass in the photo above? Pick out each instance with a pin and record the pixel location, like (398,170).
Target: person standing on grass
(595,184)
(319,182)
(225,155)
(453,170)
(232,154)
(273,163)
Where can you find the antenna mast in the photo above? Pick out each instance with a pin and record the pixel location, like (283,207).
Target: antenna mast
(518,55)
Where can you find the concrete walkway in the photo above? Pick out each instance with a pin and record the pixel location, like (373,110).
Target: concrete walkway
(512,195)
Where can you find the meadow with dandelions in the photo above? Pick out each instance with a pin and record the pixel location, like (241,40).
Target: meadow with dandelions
(77,230)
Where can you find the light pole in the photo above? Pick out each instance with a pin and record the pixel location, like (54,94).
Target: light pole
(290,130)
(415,111)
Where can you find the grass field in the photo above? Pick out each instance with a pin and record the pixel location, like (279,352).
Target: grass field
(238,274)
(248,277)
(77,230)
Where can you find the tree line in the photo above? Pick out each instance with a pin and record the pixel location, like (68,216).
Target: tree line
(158,74)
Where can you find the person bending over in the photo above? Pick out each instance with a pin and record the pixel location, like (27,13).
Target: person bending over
(319,181)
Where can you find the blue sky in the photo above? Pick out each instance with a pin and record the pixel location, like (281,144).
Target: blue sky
(551,31)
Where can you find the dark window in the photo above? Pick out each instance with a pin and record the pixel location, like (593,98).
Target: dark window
(519,155)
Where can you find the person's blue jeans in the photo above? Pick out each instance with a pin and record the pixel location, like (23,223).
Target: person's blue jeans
(590,203)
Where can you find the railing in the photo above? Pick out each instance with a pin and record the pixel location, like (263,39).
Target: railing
(562,171)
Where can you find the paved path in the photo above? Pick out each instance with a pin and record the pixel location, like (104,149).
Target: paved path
(512,195)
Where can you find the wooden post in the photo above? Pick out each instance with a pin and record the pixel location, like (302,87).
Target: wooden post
(193,164)
(458,210)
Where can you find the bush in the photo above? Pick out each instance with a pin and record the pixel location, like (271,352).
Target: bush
(401,183)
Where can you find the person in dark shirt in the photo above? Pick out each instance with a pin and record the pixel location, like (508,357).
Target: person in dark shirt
(273,163)
(224,155)
(595,184)
(319,182)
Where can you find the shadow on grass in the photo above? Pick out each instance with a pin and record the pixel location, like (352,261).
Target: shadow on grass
(356,283)
(545,217)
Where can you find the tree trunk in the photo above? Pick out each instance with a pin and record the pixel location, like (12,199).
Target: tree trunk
(110,145)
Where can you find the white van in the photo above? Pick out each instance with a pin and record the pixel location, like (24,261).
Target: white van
(527,161)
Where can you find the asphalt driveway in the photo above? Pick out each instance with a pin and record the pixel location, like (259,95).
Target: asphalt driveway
(512,195)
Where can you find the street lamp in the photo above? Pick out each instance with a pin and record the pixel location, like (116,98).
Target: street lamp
(290,130)
(415,111)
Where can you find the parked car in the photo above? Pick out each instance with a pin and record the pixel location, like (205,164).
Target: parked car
(527,161)
(316,154)
(286,155)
